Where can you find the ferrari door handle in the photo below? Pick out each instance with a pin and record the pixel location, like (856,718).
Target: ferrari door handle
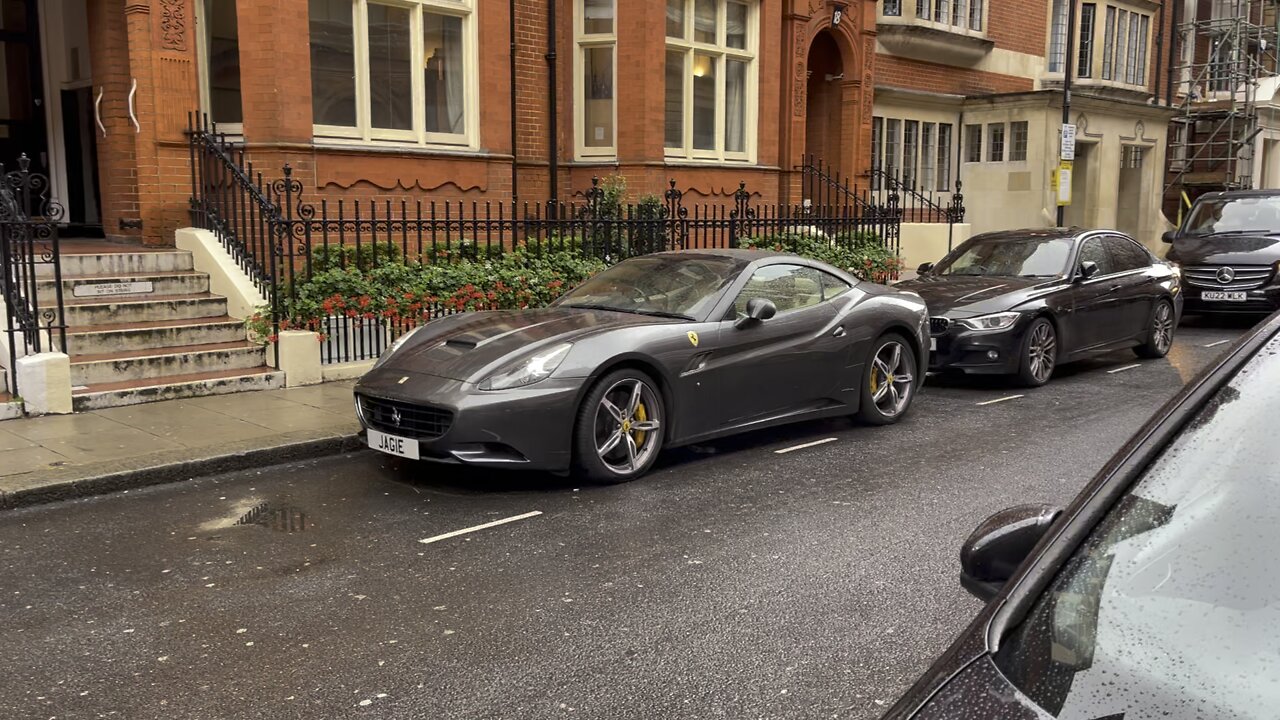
(1113,288)
(839,332)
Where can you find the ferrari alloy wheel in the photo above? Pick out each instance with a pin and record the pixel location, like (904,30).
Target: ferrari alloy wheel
(890,380)
(1159,337)
(620,427)
(1039,354)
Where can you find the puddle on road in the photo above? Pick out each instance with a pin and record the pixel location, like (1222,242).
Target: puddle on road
(280,518)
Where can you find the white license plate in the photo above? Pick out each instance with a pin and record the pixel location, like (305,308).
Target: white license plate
(393,445)
(1222,296)
(933,344)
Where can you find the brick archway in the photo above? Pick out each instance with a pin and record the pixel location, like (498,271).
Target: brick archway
(810,23)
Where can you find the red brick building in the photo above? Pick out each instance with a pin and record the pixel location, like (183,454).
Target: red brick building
(415,97)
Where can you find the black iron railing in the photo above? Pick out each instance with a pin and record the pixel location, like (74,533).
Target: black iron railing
(886,194)
(283,239)
(35,318)
(918,205)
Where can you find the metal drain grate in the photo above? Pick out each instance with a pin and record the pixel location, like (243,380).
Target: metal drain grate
(280,518)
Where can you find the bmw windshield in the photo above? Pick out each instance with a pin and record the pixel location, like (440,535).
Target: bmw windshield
(1171,607)
(1008,257)
(679,286)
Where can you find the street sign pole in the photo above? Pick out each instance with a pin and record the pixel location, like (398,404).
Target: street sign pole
(1068,66)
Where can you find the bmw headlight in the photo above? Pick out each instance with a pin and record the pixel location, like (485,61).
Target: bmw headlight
(997,321)
(532,369)
(399,343)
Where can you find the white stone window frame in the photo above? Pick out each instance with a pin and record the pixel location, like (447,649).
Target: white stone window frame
(364,133)
(1106,56)
(582,43)
(888,152)
(957,14)
(722,52)
(234,131)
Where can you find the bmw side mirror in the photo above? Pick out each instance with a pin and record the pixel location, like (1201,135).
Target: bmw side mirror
(1169,236)
(758,310)
(1088,269)
(924,268)
(995,549)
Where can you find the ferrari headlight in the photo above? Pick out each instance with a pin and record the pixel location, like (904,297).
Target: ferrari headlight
(997,321)
(530,370)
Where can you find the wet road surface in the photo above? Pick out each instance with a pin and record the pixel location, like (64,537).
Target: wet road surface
(733,582)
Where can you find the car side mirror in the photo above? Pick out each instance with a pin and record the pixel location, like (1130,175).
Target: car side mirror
(1169,236)
(1088,269)
(758,310)
(924,268)
(995,549)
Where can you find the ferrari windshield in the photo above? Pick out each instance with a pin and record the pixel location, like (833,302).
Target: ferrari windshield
(681,286)
(1009,257)
(1168,610)
(1235,215)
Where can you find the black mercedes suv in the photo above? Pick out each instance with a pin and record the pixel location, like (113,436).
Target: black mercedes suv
(1229,249)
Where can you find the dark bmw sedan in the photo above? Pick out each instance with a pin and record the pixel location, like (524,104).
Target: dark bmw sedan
(1021,302)
(1155,594)
(1229,251)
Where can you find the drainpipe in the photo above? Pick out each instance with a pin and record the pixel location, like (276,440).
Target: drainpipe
(1174,51)
(1155,91)
(1068,65)
(554,149)
(515,179)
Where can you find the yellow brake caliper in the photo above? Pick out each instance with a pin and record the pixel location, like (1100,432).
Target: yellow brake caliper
(874,384)
(641,416)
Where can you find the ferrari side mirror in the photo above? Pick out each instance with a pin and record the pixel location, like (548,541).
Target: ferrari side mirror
(758,310)
(924,268)
(1169,236)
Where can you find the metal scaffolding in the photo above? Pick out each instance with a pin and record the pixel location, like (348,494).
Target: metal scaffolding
(1228,47)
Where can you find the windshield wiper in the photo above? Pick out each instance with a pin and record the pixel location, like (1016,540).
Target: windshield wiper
(634,311)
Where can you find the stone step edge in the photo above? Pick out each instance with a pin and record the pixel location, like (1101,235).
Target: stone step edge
(176,466)
(136,300)
(142,326)
(159,352)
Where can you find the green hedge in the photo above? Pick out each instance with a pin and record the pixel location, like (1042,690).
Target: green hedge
(861,254)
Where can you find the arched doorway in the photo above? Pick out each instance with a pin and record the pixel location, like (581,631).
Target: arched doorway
(824,126)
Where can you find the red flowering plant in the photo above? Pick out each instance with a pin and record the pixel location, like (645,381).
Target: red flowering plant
(407,294)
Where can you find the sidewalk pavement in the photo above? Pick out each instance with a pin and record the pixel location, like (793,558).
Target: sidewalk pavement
(57,457)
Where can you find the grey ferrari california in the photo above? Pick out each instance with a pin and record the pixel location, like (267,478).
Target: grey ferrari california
(655,352)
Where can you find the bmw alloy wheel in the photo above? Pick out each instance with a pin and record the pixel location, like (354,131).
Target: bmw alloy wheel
(892,378)
(1042,352)
(626,421)
(1162,333)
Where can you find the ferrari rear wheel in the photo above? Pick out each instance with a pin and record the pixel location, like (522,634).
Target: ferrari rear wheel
(620,428)
(889,380)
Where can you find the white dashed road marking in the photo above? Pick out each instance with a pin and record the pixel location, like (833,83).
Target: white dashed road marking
(1000,400)
(823,441)
(1122,369)
(464,531)
(1216,344)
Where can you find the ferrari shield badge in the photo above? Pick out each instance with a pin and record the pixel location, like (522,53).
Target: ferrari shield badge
(693,338)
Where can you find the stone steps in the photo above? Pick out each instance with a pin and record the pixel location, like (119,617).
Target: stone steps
(122,287)
(145,327)
(135,392)
(98,311)
(123,337)
(157,363)
(110,264)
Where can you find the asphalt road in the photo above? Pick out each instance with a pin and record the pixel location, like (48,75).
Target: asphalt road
(734,582)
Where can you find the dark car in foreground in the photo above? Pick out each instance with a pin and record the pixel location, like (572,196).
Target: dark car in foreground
(1156,593)
(1020,302)
(658,351)
(1229,251)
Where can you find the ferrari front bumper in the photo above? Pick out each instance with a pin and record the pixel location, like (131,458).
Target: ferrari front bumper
(454,422)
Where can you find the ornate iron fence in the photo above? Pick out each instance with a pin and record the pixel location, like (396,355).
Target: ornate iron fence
(282,239)
(886,195)
(35,321)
